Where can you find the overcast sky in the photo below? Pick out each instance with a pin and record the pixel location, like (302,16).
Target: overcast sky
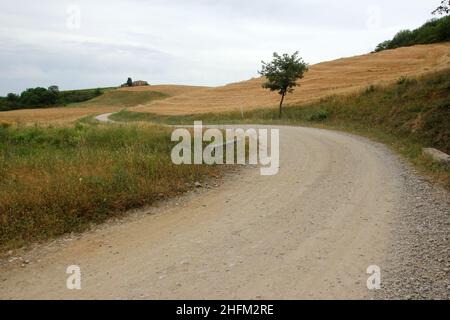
(85,44)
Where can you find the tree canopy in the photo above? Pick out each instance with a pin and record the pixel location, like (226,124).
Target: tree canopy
(43,98)
(444,8)
(433,31)
(282,73)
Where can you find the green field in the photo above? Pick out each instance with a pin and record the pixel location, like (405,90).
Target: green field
(122,99)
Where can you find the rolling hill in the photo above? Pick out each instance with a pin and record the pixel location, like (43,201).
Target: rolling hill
(324,79)
(111,101)
(340,76)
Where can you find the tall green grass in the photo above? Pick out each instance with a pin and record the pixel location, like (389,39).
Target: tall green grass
(58,180)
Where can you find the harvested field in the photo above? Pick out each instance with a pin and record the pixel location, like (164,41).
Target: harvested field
(323,79)
(60,115)
(168,89)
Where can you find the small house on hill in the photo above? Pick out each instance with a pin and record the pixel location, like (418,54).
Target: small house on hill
(138,83)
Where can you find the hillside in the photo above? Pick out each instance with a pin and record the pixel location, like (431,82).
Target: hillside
(168,89)
(110,101)
(410,114)
(340,76)
(323,79)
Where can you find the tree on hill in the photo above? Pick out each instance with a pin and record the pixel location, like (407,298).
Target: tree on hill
(129,82)
(38,97)
(282,74)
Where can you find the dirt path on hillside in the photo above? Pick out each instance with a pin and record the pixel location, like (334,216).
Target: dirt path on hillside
(337,206)
(104,117)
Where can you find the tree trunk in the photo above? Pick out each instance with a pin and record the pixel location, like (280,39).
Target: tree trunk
(281,104)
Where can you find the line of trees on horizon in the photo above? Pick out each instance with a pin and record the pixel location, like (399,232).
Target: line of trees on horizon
(433,31)
(45,98)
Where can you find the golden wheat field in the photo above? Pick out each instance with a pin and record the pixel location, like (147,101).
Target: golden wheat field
(169,89)
(52,115)
(333,77)
(323,79)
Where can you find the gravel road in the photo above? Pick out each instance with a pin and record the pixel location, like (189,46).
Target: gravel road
(104,117)
(339,204)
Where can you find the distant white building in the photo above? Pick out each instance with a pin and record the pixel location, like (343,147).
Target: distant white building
(138,83)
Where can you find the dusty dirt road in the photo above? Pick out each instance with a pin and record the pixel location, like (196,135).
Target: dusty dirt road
(104,117)
(309,232)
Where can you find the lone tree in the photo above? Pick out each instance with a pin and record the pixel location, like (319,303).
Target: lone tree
(282,74)
(129,82)
(444,8)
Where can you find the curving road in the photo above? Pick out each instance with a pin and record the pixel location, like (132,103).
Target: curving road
(309,232)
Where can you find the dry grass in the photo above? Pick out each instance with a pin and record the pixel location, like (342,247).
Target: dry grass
(168,89)
(56,180)
(323,79)
(60,115)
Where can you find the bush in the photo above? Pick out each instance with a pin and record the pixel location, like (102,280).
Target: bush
(76,96)
(318,115)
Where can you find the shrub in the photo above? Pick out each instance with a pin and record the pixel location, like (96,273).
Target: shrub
(318,115)
(76,96)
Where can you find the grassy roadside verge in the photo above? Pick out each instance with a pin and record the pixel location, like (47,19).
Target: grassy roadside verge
(55,180)
(407,116)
